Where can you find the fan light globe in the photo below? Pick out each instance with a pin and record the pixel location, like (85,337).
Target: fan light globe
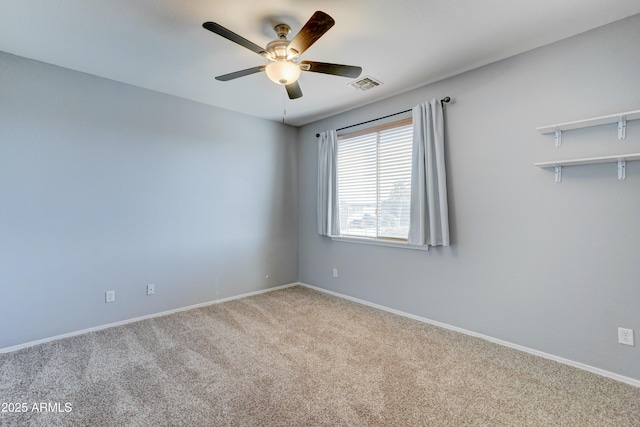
(283,72)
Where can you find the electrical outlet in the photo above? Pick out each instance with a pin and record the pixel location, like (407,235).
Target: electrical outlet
(110,296)
(335,272)
(625,336)
(151,289)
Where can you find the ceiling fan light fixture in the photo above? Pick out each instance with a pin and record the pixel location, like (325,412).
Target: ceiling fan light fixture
(285,66)
(283,72)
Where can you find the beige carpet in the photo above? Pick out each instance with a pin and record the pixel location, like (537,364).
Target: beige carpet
(296,357)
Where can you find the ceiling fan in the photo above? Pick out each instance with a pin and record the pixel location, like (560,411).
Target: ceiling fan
(285,65)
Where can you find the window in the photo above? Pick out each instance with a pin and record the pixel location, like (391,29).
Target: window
(374,181)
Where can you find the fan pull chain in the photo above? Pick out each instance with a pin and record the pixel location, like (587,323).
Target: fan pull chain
(284,109)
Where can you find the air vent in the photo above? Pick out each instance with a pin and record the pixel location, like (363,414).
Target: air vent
(365,83)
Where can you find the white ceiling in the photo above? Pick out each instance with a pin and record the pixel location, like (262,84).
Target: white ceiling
(161,45)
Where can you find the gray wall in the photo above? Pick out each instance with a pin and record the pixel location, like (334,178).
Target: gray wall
(553,267)
(105,186)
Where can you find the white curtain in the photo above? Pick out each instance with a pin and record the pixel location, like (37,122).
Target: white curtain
(429,223)
(328,222)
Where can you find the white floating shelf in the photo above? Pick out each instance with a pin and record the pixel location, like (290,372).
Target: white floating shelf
(620,118)
(589,160)
(619,158)
(585,123)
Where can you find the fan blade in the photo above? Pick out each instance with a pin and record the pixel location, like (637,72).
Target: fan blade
(333,69)
(230,35)
(241,73)
(315,27)
(293,90)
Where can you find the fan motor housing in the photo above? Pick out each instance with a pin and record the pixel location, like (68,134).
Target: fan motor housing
(278,49)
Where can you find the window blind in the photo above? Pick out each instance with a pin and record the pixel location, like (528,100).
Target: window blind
(374,181)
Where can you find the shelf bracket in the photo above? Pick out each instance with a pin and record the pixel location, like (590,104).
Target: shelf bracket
(559,138)
(558,174)
(622,127)
(621,167)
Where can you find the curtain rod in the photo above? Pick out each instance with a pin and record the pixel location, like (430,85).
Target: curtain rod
(443,101)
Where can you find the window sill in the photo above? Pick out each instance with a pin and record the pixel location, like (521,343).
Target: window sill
(378,242)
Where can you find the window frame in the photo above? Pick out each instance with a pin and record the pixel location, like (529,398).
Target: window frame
(377,241)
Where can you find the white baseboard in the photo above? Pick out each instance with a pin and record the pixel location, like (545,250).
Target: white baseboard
(601,372)
(137,319)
